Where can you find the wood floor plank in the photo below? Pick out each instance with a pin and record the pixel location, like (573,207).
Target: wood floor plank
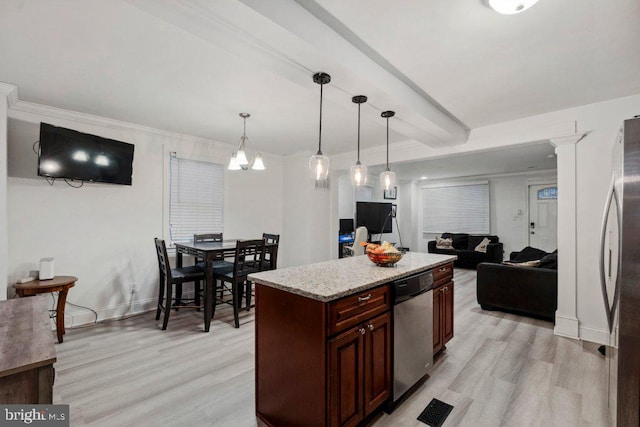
(500,369)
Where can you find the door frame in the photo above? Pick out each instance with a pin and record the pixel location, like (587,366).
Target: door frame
(530,183)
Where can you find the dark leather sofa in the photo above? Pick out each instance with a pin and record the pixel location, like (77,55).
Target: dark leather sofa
(526,290)
(464,245)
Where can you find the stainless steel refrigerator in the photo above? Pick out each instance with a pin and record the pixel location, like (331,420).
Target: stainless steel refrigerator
(620,277)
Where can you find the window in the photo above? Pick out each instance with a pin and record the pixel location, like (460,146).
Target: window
(456,208)
(548,193)
(195,199)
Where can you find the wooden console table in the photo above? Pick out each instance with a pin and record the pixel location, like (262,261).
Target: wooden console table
(27,352)
(60,284)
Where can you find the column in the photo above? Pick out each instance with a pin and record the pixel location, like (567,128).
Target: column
(567,323)
(6,93)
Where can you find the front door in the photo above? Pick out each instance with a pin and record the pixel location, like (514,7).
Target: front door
(543,217)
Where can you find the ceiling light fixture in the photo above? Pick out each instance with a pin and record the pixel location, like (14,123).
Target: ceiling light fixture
(510,7)
(359,171)
(387,178)
(239,158)
(319,163)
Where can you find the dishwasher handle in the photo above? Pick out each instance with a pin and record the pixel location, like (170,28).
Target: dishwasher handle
(403,298)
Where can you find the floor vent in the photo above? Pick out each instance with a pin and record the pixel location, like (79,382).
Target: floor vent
(435,413)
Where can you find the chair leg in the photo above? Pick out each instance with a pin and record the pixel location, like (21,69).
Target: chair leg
(196,291)
(235,290)
(167,308)
(247,285)
(160,297)
(178,295)
(214,302)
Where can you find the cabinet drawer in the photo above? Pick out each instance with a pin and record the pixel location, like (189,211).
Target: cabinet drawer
(353,309)
(442,274)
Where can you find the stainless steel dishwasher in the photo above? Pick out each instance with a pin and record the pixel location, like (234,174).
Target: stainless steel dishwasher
(412,331)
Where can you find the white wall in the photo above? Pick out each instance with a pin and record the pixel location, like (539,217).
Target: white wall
(310,229)
(507,195)
(103,234)
(4,242)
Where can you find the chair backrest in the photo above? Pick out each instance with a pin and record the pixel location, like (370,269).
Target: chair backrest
(249,257)
(271,250)
(361,236)
(163,260)
(271,238)
(210,237)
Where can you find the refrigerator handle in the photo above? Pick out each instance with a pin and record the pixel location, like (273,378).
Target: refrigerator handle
(603,235)
(616,288)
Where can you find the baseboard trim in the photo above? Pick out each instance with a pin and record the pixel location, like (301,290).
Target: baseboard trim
(75,317)
(599,336)
(567,327)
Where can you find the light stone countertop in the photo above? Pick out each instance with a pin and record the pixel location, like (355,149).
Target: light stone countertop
(330,280)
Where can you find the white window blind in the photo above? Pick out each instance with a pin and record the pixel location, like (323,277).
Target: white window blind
(196,198)
(458,208)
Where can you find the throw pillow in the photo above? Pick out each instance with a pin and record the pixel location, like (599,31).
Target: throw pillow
(444,243)
(529,254)
(482,246)
(532,263)
(549,261)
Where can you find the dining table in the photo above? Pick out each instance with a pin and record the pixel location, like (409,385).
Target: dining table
(207,251)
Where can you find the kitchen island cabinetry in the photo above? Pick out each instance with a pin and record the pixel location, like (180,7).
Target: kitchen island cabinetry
(324,340)
(442,307)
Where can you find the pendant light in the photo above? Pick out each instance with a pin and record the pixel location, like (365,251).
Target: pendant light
(359,171)
(511,7)
(319,163)
(239,158)
(387,178)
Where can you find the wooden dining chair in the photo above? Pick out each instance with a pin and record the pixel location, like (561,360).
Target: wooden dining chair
(248,259)
(170,277)
(271,251)
(218,266)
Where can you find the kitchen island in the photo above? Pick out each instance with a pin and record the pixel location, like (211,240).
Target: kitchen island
(324,336)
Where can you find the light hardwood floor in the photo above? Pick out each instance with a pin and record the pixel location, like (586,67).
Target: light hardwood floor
(499,370)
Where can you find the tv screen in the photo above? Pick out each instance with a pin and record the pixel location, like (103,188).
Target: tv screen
(66,153)
(375,216)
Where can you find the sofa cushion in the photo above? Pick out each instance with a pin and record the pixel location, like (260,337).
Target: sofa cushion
(549,261)
(529,254)
(471,255)
(482,246)
(444,243)
(460,240)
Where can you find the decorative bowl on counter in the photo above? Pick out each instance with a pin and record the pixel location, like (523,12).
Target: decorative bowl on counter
(384,255)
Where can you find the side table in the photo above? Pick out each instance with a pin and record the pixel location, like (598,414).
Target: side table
(60,284)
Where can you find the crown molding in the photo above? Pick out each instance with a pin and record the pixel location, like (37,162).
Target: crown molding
(567,139)
(11,92)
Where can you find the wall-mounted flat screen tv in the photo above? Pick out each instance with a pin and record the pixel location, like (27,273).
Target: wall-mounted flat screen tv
(375,216)
(66,153)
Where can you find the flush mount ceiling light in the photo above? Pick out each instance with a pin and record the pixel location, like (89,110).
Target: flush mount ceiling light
(511,7)
(359,171)
(319,163)
(387,178)
(239,158)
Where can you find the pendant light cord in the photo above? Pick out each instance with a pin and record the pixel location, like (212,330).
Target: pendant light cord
(387,143)
(358,134)
(320,130)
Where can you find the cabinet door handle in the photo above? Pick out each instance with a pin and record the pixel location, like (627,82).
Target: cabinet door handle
(362,331)
(363,299)
(370,327)
(444,289)
(442,270)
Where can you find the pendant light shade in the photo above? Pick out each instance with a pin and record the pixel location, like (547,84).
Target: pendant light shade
(319,163)
(359,171)
(511,7)
(388,178)
(239,159)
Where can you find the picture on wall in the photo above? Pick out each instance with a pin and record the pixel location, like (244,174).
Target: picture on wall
(391,193)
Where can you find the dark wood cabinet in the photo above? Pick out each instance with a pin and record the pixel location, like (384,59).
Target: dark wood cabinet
(442,316)
(359,371)
(339,354)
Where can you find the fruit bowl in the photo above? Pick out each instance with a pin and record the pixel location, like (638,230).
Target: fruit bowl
(385,259)
(384,255)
